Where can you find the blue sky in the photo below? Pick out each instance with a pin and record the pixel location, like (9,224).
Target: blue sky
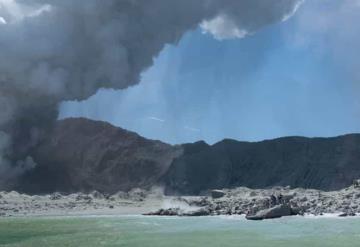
(299,77)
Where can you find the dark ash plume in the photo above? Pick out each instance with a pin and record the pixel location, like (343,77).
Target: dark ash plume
(55,50)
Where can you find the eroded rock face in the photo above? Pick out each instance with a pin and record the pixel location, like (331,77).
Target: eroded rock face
(86,155)
(318,163)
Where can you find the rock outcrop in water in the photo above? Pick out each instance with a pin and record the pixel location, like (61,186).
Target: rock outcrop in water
(85,155)
(272,213)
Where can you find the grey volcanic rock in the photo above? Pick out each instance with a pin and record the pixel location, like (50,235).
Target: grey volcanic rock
(166,212)
(259,204)
(217,194)
(255,203)
(180,212)
(271,213)
(86,155)
(198,212)
(318,163)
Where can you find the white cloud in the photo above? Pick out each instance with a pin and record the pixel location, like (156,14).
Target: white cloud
(289,15)
(42,9)
(222,27)
(236,19)
(12,10)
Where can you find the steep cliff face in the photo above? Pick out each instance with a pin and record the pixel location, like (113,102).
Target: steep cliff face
(84,155)
(321,163)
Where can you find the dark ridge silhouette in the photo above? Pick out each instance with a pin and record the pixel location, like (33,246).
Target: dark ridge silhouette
(319,163)
(84,155)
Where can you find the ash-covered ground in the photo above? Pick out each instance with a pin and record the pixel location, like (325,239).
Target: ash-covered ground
(237,201)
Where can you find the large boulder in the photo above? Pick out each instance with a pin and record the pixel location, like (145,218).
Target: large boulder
(217,194)
(165,212)
(197,212)
(180,212)
(271,213)
(356,183)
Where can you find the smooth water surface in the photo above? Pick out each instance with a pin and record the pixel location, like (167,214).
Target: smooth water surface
(143,231)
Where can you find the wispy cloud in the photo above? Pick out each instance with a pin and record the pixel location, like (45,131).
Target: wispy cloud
(2,20)
(156,119)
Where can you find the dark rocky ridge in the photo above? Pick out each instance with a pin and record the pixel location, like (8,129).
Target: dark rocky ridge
(83,155)
(318,163)
(86,155)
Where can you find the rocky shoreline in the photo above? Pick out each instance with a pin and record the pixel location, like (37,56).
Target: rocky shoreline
(256,204)
(136,201)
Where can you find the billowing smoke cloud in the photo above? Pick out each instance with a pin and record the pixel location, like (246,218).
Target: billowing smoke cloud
(55,50)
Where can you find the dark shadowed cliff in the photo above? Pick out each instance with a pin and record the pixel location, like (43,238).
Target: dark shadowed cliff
(84,155)
(320,163)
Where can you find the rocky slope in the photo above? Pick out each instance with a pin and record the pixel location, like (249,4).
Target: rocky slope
(318,163)
(85,155)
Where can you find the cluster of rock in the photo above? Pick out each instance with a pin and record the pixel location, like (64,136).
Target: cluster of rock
(256,204)
(17,204)
(178,211)
(270,203)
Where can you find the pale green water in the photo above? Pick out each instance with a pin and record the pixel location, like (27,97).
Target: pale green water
(173,232)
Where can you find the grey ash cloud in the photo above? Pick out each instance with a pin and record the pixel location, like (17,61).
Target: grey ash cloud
(56,50)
